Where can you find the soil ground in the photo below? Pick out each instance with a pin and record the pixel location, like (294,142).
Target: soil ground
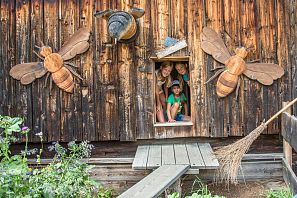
(246,190)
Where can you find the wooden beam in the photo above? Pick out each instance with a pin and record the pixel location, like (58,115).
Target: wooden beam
(114,160)
(289,130)
(170,58)
(156,182)
(289,176)
(263,156)
(286,146)
(251,171)
(177,123)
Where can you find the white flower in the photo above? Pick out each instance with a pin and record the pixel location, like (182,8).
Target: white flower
(39,134)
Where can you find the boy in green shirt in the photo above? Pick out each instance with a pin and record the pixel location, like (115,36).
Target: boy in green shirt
(175,103)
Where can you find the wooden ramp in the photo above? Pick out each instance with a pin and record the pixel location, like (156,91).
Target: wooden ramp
(156,182)
(197,155)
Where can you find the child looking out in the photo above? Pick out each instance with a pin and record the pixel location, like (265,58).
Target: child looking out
(183,74)
(175,103)
(162,83)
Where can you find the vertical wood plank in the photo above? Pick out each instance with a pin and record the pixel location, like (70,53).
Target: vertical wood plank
(71,105)
(53,100)
(106,83)
(178,28)
(11,58)
(231,17)
(251,100)
(88,103)
(268,54)
(285,48)
(22,94)
(197,67)
(143,49)
(6,56)
(10,83)
(293,46)
(127,85)
(216,106)
(38,90)
(160,22)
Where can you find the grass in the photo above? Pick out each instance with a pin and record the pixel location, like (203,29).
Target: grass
(281,193)
(199,190)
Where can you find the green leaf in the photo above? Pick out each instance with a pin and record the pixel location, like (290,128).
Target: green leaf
(174,195)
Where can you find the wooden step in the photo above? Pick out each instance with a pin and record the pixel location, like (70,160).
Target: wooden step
(155,183)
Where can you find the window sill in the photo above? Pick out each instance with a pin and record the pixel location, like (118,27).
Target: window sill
(170,58)
(170,124)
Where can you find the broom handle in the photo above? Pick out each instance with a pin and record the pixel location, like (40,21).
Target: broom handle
(280,111)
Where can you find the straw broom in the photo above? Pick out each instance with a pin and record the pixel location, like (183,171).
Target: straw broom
(230,156)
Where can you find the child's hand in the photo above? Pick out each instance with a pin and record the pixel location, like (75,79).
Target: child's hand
(171,120)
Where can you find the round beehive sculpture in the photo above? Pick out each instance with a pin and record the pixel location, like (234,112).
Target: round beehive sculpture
(122,26)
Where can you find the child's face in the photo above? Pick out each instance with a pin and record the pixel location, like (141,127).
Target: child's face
(165,71)
(176,90)
(181,68)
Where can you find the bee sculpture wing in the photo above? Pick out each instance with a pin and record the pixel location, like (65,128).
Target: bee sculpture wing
(213,44)
(27,72)
(136,12)
(77,44)
(104,14)
(264,73)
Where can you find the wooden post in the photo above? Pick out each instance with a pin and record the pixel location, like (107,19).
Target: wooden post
(286,146)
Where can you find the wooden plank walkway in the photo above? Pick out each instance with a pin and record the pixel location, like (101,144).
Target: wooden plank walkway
(197,155)
(156,182)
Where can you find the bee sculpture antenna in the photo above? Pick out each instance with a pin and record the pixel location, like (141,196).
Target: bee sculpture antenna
(38,55)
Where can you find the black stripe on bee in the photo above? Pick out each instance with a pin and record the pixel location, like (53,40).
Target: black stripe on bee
(227,83)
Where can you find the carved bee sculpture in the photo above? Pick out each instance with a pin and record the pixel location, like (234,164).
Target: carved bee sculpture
(122,26)
(54,62)
(264,73)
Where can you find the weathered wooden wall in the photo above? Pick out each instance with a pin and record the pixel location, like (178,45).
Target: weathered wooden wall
(115,99)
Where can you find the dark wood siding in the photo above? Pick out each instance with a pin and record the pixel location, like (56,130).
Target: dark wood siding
(115,99)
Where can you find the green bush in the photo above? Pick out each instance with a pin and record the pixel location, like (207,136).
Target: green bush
(66,176)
